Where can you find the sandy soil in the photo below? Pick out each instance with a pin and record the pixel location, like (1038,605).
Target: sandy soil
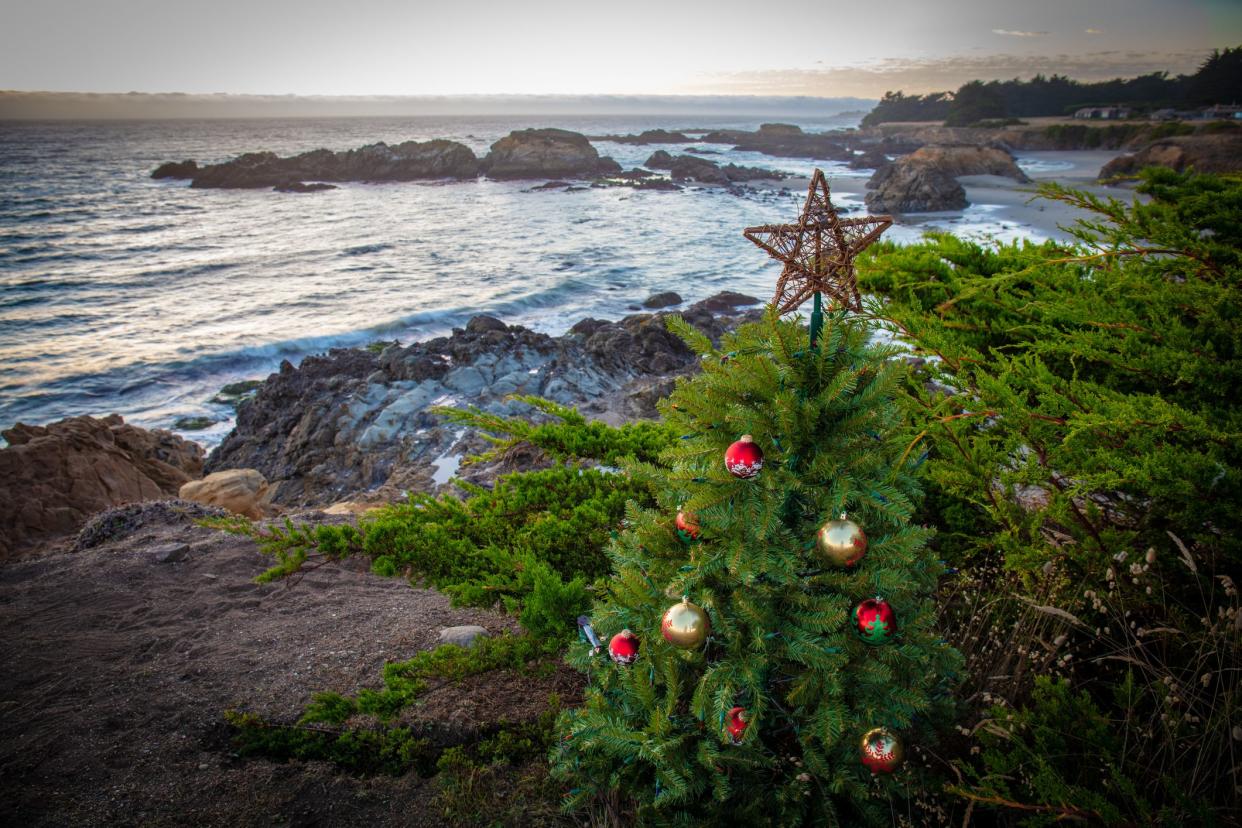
(116,666)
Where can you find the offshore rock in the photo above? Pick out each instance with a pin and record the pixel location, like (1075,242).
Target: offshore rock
(408,161)
(968,160)
(359,426)
(176,169)
(914,188)
(546,153)
(648,136)
(693,168)
(55,477)
(782,141)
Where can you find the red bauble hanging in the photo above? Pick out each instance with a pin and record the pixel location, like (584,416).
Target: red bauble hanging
(744,458)
(881,750)
(687,524)
(735,724)
(874,621)
(623,648)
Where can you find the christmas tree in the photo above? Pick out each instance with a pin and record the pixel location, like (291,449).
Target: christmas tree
(767,644)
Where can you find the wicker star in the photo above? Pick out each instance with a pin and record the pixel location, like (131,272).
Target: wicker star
(818,251)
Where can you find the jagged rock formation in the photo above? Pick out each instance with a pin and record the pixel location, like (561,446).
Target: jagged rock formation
(408,161)
(546,153)
(693,168)
(54,477)
(352,422)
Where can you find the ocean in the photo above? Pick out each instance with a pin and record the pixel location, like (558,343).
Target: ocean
(123,294)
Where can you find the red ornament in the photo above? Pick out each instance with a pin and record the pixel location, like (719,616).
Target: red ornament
(874,621)
(687,524)
(744,458)
(881,750)
(624,647)
(735,724)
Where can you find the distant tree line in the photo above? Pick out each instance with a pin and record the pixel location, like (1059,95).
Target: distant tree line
(1217,81)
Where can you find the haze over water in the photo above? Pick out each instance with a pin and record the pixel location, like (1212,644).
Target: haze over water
(123,294)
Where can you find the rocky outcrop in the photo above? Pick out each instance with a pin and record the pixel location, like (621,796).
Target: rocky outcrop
(351,424)
(782,141)
(914,188)
(546,153)
(647,136)
(926,179)
(1220,153)
(299,187)
(408,161)
(968,160)
(240,491)
(871,158)
(55,477)
(693,168)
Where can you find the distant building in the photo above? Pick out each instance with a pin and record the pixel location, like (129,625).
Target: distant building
(1223,113)
(1166,115)
(1103,113)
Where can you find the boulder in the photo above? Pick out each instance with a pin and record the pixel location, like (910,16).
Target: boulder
(240,491)
(55,477)
(1220,153)
(914,188)
(407,161)
(546,153)
(462,636)
(662,300)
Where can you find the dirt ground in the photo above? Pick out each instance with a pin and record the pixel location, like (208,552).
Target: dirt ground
(117,663)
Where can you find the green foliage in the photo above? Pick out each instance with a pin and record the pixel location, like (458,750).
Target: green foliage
(834,440)
(568,436)
(1079,408)
(387,750)
(1215,82)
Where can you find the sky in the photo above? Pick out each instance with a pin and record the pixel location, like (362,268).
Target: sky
(769,47)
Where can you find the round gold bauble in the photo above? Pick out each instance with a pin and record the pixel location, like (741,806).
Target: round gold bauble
(685,625)
(841,542)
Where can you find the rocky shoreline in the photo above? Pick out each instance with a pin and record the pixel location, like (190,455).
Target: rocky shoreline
(351,426)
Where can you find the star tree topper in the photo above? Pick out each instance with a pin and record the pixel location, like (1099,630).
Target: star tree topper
(818,251)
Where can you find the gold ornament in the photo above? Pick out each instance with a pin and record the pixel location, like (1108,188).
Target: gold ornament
(841,542)
(685,625)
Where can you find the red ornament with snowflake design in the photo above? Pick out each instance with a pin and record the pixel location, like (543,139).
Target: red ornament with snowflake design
(623,647)
(744,458)
(874,621)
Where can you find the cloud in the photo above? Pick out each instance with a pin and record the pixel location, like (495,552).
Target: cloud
(919,76)
(1093,31)
(1015,33)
